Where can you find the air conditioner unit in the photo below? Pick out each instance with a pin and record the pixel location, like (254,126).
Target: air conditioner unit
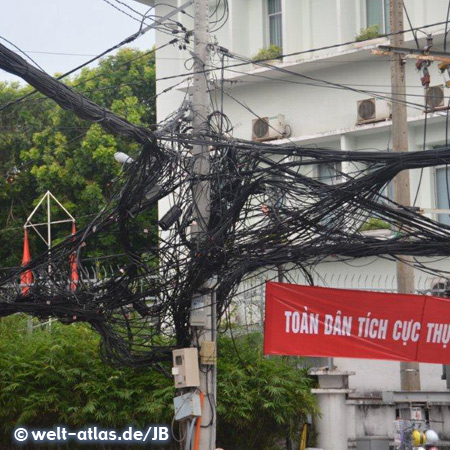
(440,287)
(373,110)
(268,128)
(435,98)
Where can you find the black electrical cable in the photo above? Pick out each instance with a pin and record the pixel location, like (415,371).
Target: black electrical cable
(412,28)
(127,40)
(69,99)
(423,148)
(265,211)
(446,27)
(190,74)
(247,232)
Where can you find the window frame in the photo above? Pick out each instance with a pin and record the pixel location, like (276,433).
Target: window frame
(435,186)
(335,179)
(268,16)
(385,13)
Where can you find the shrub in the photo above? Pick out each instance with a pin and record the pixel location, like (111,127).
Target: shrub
(371,32)
(261,400)
(55,377)
(271,52)
(374,224)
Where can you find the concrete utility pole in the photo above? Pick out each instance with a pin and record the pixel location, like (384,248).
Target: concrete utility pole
(201,212)
(409,372)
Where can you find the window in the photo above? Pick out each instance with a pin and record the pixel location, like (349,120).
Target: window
(378,14)
(388,190)
(443,193)
(330,173)
(275,23)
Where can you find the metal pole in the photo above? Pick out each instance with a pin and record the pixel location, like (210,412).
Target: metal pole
(201,211)
(49,224)
(409,372)
(49,242)
(49,232)
(280,270)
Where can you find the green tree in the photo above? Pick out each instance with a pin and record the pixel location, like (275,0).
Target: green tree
(56,377)
(43,147)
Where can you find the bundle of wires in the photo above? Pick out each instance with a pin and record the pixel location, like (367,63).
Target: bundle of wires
(266,210)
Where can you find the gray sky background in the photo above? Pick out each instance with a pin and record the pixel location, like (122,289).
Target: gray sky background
(72,27)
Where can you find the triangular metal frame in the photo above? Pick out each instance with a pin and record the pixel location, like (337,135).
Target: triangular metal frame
(47,198)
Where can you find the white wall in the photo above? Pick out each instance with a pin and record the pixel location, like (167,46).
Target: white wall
(323,116)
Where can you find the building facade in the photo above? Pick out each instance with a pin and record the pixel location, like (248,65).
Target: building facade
(317,96)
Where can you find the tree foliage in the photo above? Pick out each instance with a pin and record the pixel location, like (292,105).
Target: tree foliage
(262,400)
(43,147)
(54,376)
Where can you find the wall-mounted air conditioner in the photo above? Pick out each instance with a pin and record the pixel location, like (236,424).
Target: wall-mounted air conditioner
(269,128)
(440,287)
(435,98)
(373,110)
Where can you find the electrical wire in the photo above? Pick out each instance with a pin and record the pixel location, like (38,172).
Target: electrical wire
(446,27)
(266,210)
(142,311)
(412,28)
(329,47)
(125,41)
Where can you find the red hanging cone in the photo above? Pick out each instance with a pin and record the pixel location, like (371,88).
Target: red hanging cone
(26,279)
(74,277)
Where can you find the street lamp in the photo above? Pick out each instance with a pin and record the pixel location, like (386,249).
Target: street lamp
(123,158)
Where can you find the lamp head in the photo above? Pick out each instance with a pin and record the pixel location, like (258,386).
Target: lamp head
(123,158)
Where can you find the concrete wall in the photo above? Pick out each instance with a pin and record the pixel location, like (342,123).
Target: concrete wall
(367,417)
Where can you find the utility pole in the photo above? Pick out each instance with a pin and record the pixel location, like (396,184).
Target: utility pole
(201,212)
(409,372)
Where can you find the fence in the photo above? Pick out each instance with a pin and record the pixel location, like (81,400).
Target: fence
(248,305)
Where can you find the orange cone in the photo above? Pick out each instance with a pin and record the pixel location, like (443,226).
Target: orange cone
(74,277)
(26,279)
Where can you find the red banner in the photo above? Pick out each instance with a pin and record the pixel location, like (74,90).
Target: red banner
(316,321)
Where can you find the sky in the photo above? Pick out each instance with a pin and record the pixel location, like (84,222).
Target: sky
(75,30)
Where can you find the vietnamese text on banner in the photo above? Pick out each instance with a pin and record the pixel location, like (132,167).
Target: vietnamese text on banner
(316,321)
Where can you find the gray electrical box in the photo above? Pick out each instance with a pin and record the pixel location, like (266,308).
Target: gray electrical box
(198,314)
(187,406)
(372,443)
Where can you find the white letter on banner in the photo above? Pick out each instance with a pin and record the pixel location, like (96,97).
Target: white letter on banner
(288,315)
(296,322)
(328,324)
(396,334)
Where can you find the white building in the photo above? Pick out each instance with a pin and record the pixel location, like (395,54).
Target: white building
(322,115)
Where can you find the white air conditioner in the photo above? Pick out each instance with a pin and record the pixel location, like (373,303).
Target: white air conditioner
(435,98)
(439,287)
(373,110)
(268,128)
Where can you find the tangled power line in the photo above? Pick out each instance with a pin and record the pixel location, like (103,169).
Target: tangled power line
(266,210)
